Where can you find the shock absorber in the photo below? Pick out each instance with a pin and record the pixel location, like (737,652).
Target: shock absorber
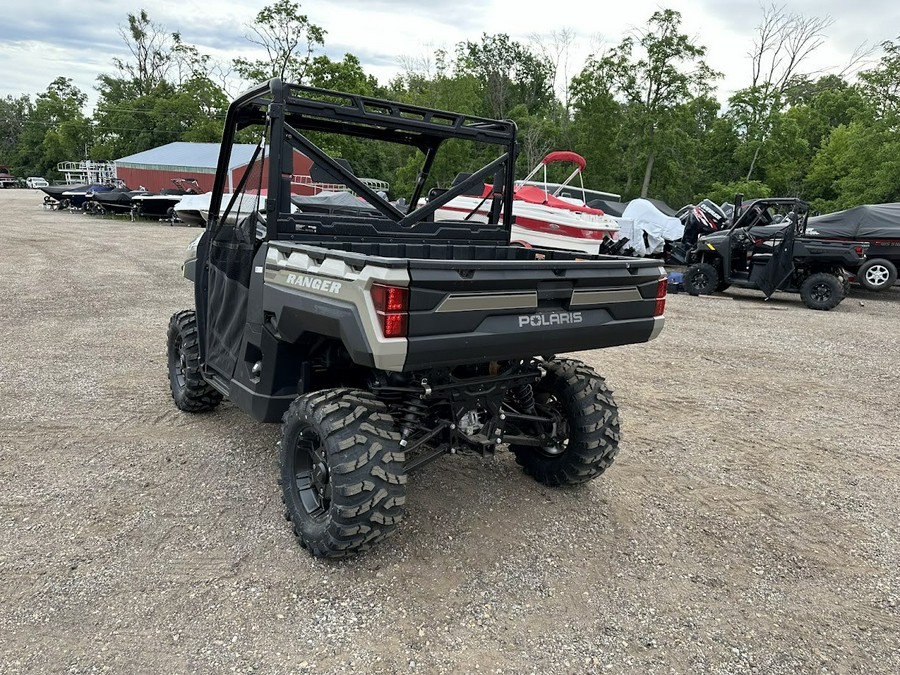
(411,418)
(523,395)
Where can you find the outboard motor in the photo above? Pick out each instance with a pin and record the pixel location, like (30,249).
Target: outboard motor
(705,218)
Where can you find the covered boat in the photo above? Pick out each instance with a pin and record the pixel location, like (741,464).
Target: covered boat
(869,222)
(163,205)
(876,224)
(118,200)
(649,229)
(70,196)
(193,209)
(77,198)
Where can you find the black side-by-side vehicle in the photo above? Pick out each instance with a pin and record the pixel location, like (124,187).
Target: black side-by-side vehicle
(383,339)
(758,252)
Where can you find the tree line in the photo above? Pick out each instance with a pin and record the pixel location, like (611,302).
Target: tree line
(643,112)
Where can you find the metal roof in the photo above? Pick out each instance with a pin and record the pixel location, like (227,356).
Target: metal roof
(188,155)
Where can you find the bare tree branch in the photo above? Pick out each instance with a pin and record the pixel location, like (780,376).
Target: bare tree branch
(782,44)
(859,59)
(555,48)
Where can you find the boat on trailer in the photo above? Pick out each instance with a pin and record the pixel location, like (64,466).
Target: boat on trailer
(118,200)
(542,216)
(70,196)
(318,193)
(162,205)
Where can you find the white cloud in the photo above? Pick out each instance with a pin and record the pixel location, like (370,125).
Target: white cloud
(37,48)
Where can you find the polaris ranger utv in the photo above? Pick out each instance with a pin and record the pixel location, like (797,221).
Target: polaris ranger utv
(382,339)
(768,251)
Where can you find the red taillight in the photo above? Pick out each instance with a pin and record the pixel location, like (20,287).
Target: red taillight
(859,250)
(661,288)
(393,325)
(391,304)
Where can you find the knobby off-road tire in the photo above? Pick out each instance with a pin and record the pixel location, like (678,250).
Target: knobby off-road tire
(342,474)
(877,274)
(190,391)
(701,279)
(822,291)
(590,419)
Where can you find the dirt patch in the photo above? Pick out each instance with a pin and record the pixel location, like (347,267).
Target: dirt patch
(750,522)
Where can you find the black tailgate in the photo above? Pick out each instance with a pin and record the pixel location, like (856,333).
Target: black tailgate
(471,312)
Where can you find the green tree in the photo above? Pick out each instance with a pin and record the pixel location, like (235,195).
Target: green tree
(881,84)
(824,104)
(164,93)
(597,127)
(716,162)
(510,73)
(859,162)
(655,73)
(782,43)
(56,130)
(725,192)
(442,88)
(681,167)
(289,40)
(344,75)
(436,84)
(151,53)
(14,115)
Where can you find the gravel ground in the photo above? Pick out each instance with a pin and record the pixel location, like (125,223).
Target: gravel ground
(749,524)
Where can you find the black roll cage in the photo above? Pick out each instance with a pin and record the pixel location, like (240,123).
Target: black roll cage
(290,109)
(740,216)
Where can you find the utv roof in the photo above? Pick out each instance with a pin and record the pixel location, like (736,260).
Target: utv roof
(288,111)
(315,109)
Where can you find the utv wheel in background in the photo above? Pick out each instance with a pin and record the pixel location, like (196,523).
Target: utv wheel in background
(586,437)
(190,391)
(701,279)
(342,474)
(821,291)
(877,274)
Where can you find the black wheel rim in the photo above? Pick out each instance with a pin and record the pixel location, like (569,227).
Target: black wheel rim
(821,292)
(179,365)
(556,433)
(701,281)
(312,478)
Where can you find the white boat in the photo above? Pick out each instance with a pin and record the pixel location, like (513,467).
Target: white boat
(541,217)
(163,204)
(194,209)
(331,197)
(191,209)
(155,205)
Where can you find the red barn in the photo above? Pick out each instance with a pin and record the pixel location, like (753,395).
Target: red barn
(154,169)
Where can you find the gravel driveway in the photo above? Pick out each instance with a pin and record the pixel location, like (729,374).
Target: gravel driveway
(749,524)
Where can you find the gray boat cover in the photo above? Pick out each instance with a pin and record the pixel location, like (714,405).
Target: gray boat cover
(661,206)
(332,200)
(871,221)
(608,206)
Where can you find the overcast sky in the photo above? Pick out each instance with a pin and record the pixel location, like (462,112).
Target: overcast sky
(78,40)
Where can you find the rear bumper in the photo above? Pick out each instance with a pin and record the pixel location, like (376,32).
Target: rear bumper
(523,336)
